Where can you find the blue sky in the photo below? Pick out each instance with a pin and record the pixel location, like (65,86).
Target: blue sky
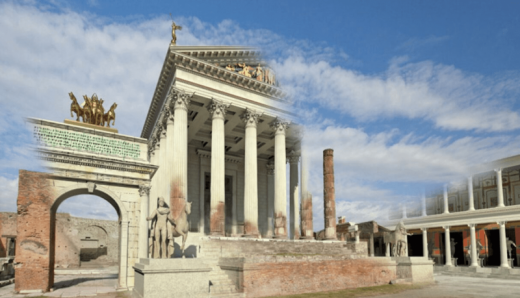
(408,93)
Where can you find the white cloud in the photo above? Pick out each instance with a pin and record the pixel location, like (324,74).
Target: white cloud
(444,95)
(8,194)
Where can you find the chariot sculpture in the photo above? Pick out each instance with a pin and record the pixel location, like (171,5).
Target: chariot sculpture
(92,111)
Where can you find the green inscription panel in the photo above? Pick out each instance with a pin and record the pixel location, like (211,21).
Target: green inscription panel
(52,137)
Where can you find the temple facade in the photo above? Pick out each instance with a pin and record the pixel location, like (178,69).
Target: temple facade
(221,132)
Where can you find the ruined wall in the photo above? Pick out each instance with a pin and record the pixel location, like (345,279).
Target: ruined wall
(7,228)
(74,236)
(276,275)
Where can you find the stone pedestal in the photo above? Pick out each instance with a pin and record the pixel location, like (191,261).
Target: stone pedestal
(414,269)
(163,278)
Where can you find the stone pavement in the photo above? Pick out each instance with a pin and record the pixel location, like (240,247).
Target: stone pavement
(104,286)
(464,287)
(88,285)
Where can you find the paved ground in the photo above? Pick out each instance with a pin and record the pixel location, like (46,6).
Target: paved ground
(103,286)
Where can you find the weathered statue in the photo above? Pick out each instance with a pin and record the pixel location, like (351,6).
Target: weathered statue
(174,36)
(509,247)
(160,216)
(452,246)
(397,240)
(182,226)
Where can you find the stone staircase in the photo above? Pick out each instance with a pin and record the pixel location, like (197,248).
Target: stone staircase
(220,284)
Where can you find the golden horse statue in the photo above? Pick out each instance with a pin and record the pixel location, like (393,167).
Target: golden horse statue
(75,107)
(92,111)
(110,115)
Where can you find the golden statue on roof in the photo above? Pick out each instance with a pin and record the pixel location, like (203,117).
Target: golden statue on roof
(174,27)
(92,111)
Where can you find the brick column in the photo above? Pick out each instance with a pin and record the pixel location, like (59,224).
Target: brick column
(294,192)
(250,118)
(280,187)
(306,206)
(144,193)
(217,111)
(329,195)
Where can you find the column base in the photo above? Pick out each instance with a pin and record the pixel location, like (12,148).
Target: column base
(306,238)
(280,237)
(251,236)
(448,265)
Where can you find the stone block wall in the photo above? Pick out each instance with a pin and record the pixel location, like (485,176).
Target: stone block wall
(7,228)
(263,276)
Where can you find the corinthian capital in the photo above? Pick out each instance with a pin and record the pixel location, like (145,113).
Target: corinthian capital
(180,99)
(144,189)
(250,117)
(217,108)
(293,157)
(279,126)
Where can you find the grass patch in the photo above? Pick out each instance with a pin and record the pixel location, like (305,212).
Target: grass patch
(360,292)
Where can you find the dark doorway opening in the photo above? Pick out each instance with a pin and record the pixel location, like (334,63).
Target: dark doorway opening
(457,244)
(415,246)
(493,248)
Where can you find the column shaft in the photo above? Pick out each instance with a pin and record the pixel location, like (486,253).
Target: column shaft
(470,194)
(250,175)
(446,208)
(163,181)
(503,245)
(473,252)
(329,194)
(270,200)
(218,171)
(280,186)
(144,194)
(423,205)
(306,205)
(500,190)
(294,197)
(447,246)
(387,250)
(425,242)
(372,245)
(170,159)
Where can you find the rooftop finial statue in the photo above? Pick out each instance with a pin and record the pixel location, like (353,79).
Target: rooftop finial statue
(174,27)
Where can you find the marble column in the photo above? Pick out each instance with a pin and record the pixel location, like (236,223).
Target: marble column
(144,194)
(169,162)
(500,190)
(250,118)
(470,194)
(329,196)
(270,199)
(179,183)
(357,236)
(504,263)
(163,181)
(387,250)
(217,111)
(473,252)
(154,153)
(446,208)
(280,182)
(424,242)
(294,201)
(306,205)
(423,205)
(371,244)
(447,246)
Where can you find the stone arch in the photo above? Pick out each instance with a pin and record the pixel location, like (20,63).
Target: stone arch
(113,199)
